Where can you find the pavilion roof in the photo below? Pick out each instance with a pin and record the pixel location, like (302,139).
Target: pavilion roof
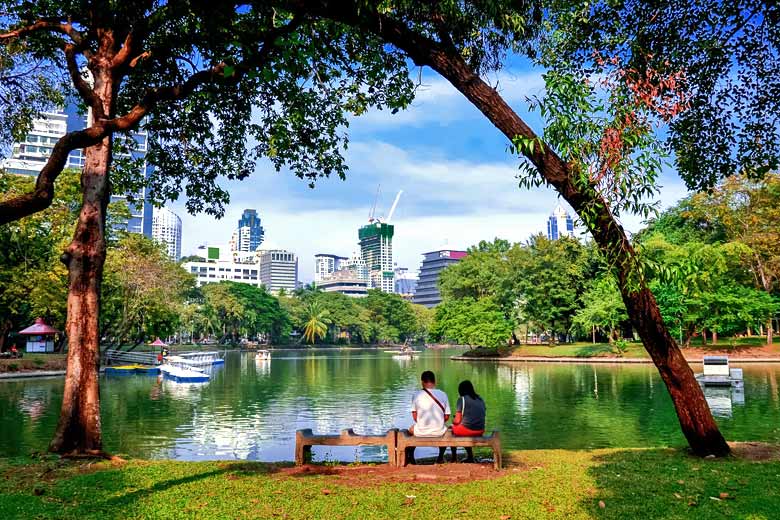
(39,328)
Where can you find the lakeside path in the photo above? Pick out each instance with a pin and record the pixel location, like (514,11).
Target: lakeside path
(602,353)
(605,359)
(536,484)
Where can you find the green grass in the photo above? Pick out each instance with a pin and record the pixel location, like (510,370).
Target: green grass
(648,484)
(580,349)
(634,350)
(34,362)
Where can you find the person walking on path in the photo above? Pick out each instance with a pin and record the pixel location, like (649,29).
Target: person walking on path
(430,411)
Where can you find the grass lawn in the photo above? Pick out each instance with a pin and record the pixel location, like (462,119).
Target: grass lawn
(583,349)
(647,484)
(580,349)
(34,362)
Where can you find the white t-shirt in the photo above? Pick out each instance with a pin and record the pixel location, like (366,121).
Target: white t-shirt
(430,417)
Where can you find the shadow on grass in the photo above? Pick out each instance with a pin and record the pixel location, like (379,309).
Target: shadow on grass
(110,491)
(671,484)
(593,350)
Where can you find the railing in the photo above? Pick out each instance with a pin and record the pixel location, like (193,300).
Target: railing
(118,357)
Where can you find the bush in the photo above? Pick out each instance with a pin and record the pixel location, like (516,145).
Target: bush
(13,367)
(620,346)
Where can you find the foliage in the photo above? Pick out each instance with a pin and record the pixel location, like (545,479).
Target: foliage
(316,325)
(232,310)
(725,73)
(33,280)
(471,322)
(602,308)
(143,292)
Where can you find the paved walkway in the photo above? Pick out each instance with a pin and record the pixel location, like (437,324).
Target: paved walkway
(32,373)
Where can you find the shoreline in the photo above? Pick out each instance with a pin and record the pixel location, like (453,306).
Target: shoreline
(600,360)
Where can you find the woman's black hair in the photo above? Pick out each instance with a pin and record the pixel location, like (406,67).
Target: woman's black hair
(466,388)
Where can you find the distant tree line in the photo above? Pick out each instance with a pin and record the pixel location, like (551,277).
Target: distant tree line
(712,261)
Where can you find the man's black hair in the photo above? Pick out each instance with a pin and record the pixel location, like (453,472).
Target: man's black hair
(428,377)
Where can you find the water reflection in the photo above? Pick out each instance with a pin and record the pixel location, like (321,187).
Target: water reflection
(251,407)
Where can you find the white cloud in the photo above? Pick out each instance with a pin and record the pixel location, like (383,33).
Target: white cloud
(437,102)
(447,202)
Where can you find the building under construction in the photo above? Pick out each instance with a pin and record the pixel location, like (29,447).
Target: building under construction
(376,245)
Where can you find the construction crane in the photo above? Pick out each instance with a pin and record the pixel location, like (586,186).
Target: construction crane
(373,208)
(395,203)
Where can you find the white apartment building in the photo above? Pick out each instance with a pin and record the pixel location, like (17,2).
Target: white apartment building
(325,265)
(29,156)
(278,269)
(216,271)
(166,229)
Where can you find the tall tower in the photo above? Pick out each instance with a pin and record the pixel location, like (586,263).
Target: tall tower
(560,224)
(250,231)
(166,229)
(376,246)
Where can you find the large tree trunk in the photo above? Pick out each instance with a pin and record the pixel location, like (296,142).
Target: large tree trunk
(79,427)
(696,421)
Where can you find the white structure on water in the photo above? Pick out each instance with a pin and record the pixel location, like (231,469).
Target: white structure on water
(166,229)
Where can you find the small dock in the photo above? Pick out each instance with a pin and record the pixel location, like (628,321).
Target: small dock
(718,372)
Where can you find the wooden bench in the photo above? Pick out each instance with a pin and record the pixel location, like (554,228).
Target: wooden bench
(448,439)
(305,439)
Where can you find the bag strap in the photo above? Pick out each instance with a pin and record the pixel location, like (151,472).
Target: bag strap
(443,410)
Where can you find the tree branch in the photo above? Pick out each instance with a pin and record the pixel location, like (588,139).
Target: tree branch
(79,82)
(43,194)
(51,25)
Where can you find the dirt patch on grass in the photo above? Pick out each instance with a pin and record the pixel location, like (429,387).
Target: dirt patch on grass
(741,351)
(757,451)
(368,475)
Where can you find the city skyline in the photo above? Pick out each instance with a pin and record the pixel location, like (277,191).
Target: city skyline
(458,178)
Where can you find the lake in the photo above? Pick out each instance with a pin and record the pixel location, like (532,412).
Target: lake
(251,408)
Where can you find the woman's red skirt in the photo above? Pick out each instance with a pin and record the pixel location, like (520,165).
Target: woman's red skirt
(461,431)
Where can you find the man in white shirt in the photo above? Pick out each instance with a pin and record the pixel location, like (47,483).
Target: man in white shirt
(430,411)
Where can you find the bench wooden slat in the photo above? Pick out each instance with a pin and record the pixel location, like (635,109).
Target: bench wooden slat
(405,440)
(305,439)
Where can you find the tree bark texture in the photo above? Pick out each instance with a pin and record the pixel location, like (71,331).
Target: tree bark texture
(696,420)
(79,427)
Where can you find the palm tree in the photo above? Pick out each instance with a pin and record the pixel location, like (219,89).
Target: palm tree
(316,322)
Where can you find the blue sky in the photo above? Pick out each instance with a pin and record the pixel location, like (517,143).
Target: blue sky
(454,168)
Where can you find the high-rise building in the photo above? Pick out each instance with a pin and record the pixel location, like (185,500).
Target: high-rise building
(30,155)
(250,231)
(376,247)
(560,224)
(326,264)
(166,229)
(405,282)
(278,269)
(427,291)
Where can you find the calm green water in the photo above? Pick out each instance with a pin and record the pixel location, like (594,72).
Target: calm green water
(251,409)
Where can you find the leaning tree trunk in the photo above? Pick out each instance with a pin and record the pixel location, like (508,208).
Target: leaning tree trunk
(695,418)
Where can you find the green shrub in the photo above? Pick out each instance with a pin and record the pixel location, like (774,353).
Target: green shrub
(13,367)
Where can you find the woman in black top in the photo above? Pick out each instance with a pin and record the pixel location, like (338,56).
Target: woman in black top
(469,418)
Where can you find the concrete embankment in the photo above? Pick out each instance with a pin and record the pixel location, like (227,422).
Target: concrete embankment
(600,360)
